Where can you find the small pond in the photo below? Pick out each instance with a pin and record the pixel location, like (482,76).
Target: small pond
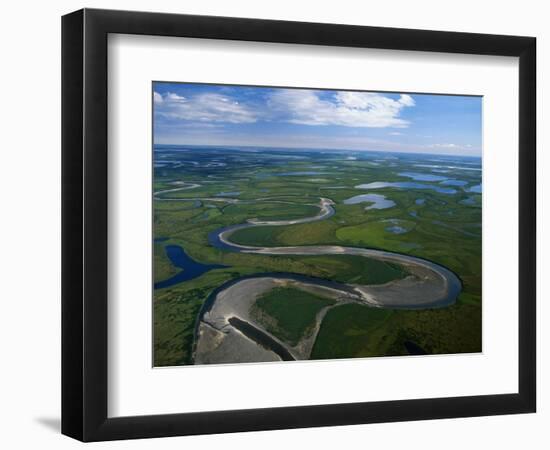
(378,201)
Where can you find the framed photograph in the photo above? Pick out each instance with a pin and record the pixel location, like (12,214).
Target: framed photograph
(273,224)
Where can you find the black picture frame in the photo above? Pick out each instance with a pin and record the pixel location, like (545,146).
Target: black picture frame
(84,224)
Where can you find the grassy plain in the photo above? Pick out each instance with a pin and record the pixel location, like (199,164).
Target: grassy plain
(163,267)
(289,313)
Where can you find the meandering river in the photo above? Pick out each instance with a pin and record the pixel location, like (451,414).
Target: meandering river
(225,330)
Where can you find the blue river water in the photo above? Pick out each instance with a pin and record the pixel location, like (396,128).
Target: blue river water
(190,268)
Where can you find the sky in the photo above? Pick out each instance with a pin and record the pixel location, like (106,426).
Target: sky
(206,114)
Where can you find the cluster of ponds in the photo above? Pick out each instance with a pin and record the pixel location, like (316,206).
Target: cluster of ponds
(436,181)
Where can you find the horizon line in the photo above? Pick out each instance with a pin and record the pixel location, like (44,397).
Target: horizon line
(325,149)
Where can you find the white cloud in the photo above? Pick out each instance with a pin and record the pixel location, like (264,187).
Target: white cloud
(349,109)
(171,97)
(444,146)
(207,107)
(406,100)
(157,98)
(395,133)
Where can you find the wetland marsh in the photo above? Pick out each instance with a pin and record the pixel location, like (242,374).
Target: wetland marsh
(286,265)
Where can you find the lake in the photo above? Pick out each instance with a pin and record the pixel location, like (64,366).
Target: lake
(422,176)
(379,201)
(405,185)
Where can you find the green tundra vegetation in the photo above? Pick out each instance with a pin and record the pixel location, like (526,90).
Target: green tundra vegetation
(431,220)
(289,313)
(163,268)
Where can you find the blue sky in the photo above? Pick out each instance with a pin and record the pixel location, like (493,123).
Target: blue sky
(202,114)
